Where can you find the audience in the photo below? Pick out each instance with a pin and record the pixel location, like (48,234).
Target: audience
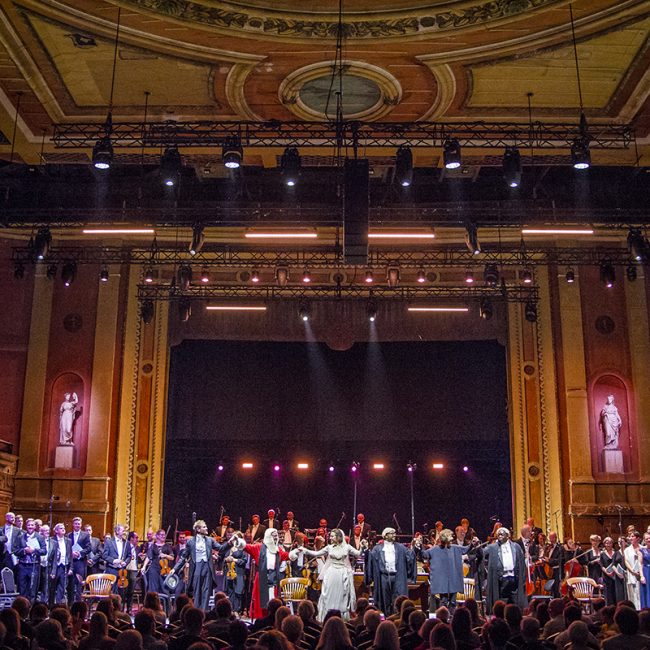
(386,637)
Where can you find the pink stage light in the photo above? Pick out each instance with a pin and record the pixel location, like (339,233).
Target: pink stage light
(331,468)
(354,468)
(220,468)
(465,468)
(276,468)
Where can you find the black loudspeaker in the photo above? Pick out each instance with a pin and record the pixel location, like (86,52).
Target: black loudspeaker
(356,201)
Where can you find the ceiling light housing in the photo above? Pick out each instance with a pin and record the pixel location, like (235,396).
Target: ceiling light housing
(512,167)
(103,153)
(232,153)
(170,166)
(451,153)
(291,166)
(404,166)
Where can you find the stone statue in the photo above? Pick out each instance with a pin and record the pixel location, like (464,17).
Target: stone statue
(610,423)
(67,417)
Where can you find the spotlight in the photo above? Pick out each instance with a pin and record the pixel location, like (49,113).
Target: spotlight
(411,467)
(50,274)
(369,278)
(355,466)
(631,272)
(371,311)
(170,166)
(637,244)
(422,276)
(220,468)
(290,164)
(465,468)
(68,273)
(276,468)
(232,153)
(184,277)
(255,276)
(607,274)
(148,275)
(438,466)
(378,466)
(392,276)
(19,271)
(303,312)
(247,465)
(485,309)
(471,239)
(491,275)
(306,276)
(184,310)
(103,153)
(512,167)
(205,276)
(404,166)
(580,155)
(530,311)
(451,153)
(198,239)
(147,311)
(42,243)
(330,468)
(282,276)
(570,275)
(103,274)
(527,276)
(469,276)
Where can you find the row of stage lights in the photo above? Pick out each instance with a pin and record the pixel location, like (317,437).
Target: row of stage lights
(354,467)
(232,155)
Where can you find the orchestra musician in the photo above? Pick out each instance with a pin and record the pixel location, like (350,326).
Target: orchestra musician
(224,530)
(612,564)
(293,524)
(632,558)
(160,558)
(355,540)
(592,560)
(132,569)
(365,527)
(287,535)
(552,556)
(256,529)
(271,521)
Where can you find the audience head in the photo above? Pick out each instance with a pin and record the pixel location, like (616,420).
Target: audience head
(106,608)
(273,640)
(335,635)
(79,610)
(529,629)
(572,612)
(371,620)
(425,630)
(627,620)
(499,609)
(513,616)
(129,640)
(472,606)
(461,623)
(48,632)
(578,633)
(280,614)
(386,636)
(152,601)
(193,619)
(362,605)
(644,622)
(145,622)
(541,612)
(273,606)
(9,617)
(223,608)
(238,633)
(416,618)
(292,628)
(442,614)
(306,610)
(442,637)
(202,645)
(21,605)
(498,633)
(62,615)
(98,626)
(555,607)
(38,613)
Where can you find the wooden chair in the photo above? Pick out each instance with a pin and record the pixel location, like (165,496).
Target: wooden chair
(583,591)
(469,587)
(293,590)
(98,586)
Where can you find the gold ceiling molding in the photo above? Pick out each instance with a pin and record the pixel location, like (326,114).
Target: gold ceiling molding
(446,87)
(390,89)
(235,83)
(402,23)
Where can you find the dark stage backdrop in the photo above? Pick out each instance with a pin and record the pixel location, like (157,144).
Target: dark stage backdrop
(398,402)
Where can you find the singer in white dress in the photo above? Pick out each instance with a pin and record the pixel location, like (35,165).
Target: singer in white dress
(337,575)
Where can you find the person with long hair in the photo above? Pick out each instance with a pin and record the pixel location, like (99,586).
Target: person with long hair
(337,575)
(335,635)
(386,637)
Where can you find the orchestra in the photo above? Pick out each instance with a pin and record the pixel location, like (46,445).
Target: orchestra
(53,567)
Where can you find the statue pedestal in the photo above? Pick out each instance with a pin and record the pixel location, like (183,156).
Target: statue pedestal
(613,461)
(64,457)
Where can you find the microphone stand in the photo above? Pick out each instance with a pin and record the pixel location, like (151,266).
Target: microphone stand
(399,528)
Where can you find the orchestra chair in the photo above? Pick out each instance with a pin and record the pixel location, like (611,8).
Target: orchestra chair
(96,587)
(8,588)
(469,587)
(583,591)
(293,590)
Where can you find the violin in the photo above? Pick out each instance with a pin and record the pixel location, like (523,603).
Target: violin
(122,579)
(164,566)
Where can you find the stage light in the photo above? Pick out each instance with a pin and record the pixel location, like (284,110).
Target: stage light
(637,245)
(232,153)
(410,467)
(330,468)
(184,277)
(404,166)
(631,272)
(491,275)
(465,468)
(148,275)
(184,310)
(438,466)
(220,468)
(557,231)
(235,308)
(290,164)
(469,276)
(404,235)
(355,467)
(306,276)
(205,276)
(247,465)
(439,309)
(276,468)
(485,309)
(68,273)
(371,311)
(607,274)
(570,275)
(392,276)
(50,273)
(471,239)
(255,276)
(422,276)
(170,166)
(103,153)
(42,243)
(281,234)
(451,153)
(103,275)
(303,465)
(378,466)
(282,276)
(303,312)
(580,155)
(198,239)
(530,312)
(118,231)
(147,311)
(512,167)
(369,277)
(19,271)
(527,276)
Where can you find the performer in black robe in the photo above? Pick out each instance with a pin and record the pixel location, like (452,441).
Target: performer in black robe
(506,571)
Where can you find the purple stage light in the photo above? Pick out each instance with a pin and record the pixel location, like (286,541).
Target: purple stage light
(220,468)
(331,468)
(410,468)
(465,468)
(276,468)
(354,468)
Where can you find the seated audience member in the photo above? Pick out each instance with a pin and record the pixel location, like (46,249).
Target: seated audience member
(129,640)
(627,621)
(461,626)
(21,605)
(48,635)
(335,636)
(13,638)
(193,618)
(442,637)
(267,621)
(292,628)
(145,623)
(386,637)
(97,634)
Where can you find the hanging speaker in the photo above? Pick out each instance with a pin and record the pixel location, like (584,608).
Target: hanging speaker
(355,212)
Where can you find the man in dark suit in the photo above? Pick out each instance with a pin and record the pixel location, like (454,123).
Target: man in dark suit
(94,557)
(198,551)
(365,527)
(235,586)
(293,524)
(271,521)
(7,536)
(256,529)
(59,563)
(553,555)
(116,552)
(225,529)
(506,576)
(29,547)
(80,552)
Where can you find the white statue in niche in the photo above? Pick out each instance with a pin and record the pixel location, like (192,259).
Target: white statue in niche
(67,417)
(610,423)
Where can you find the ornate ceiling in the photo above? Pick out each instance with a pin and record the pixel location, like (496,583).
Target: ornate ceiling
(462,60)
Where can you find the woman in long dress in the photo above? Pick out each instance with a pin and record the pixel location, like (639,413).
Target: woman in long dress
(613,573)
(337,591)
(644,556)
